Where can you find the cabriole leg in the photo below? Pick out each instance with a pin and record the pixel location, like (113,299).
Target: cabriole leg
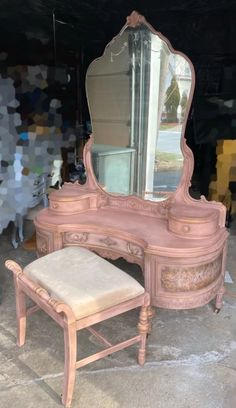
(219,299)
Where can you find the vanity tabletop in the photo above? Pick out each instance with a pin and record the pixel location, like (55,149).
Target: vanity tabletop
(152,232)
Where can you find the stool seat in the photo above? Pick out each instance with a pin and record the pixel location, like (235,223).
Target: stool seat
(83,280)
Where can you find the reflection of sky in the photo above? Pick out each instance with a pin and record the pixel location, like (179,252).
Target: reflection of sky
(169,141)
(177,66)
(171,70)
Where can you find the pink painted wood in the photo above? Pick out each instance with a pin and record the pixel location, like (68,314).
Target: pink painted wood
(64,316)
(180,243)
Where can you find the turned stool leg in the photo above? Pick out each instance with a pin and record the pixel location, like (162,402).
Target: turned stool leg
(20,313)
(143,327)
(151,314)
(70,345)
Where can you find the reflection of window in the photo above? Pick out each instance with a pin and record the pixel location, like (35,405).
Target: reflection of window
(187,70)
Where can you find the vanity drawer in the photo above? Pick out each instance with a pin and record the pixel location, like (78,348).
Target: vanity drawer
(73,207)
(192,221)
(108,242)
(73,203)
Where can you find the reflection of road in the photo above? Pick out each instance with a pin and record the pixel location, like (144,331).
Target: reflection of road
(166,180)
(169,141)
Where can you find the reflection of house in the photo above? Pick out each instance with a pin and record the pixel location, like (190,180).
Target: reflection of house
(179,71)
(183,75)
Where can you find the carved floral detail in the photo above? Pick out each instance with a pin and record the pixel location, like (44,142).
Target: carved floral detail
(139,205)
(134,249)
(108,241)
(76,237)
(186,278)
(166,204)
(42,244)
(135,19)
(105,253)
(102,200)
(42,248)
(109,254)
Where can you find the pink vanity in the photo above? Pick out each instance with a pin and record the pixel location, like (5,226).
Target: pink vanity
(135,203)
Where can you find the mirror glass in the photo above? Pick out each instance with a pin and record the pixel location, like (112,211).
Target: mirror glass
(137,93)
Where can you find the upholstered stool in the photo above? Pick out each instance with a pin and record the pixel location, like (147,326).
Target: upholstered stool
(77,288)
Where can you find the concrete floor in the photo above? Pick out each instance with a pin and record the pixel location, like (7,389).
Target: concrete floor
(191,361)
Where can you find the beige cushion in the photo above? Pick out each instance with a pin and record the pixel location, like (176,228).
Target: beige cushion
(83,280)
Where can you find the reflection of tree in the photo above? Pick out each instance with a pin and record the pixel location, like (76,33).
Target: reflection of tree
(172,100)
(183,104)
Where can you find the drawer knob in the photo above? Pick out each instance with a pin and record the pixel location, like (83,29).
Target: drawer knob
(54,205)
(186,228)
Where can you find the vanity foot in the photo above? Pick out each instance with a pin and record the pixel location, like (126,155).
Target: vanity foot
(219,300)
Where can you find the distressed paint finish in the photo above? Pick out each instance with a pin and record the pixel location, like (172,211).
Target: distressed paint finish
(171,240)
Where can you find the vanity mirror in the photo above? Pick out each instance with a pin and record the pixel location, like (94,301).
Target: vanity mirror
(139,92)
(135,202)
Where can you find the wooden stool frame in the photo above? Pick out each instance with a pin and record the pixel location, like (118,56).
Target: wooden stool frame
(64,316)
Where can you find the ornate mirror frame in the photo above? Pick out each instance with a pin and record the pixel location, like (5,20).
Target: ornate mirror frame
(132,201)
(179,208)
